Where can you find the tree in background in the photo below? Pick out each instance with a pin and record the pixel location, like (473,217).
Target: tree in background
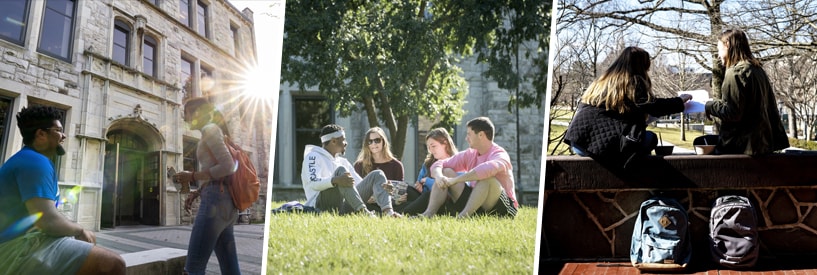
(776,28)
(396,60)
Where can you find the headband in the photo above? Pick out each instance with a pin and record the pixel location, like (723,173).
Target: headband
(330,136)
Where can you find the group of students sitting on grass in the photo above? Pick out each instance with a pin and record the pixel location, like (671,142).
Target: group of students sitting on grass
(478,180)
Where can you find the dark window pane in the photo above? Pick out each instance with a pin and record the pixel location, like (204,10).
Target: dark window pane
(65,7)
(57,25)
(14,20)
(190,161)
(311,114)
(184,12)
(234,37)
(149,56)
(187,82)
(5,118)
(120,43)
(201,17)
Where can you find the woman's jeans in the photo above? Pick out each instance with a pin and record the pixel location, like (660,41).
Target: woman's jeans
(213,231)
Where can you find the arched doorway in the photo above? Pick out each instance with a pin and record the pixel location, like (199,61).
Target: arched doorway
(131,188)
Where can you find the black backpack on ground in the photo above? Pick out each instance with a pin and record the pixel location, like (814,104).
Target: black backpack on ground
(733,232)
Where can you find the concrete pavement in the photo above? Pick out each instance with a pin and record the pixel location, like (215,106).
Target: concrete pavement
(127,239)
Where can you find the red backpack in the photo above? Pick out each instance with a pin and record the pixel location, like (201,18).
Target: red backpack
(244,184)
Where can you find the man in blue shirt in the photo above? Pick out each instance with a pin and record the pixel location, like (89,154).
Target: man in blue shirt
(35,238)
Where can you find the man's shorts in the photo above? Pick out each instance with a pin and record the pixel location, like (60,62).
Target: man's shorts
(38,253)
(503,208)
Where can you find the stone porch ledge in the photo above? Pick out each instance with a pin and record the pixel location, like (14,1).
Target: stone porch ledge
(589,212)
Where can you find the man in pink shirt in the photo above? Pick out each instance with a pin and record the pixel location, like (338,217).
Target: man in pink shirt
(486,185)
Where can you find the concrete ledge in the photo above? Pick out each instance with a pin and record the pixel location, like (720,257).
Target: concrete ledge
(684,171)
(155,261)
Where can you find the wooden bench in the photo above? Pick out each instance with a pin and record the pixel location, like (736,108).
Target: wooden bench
(155,261)
(589,212)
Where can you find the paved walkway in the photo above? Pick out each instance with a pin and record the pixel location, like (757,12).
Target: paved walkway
(127,239)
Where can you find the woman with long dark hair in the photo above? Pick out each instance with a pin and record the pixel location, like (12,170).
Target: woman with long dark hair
(747,108)
(611,121)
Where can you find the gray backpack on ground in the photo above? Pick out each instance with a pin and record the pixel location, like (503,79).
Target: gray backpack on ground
(733,232)
(661,237)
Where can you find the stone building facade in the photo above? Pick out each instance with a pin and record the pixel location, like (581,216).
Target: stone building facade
(120,70)
(296,123)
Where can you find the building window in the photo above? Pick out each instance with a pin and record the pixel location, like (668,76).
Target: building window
(184,13)
(121,41)
(154,2)
(189,159)
(234,37)
(187,81)
(149,56)
(58,24)
(15,18)
(5,120)
(310,114)
(206,82)
(202,19)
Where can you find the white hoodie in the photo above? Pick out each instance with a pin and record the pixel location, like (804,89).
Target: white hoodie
(318,170)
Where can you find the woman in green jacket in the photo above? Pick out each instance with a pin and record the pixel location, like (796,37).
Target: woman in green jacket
(750,122)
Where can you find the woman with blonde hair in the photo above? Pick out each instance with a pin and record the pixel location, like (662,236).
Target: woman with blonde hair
(611,121)
(376,155)
(750,122)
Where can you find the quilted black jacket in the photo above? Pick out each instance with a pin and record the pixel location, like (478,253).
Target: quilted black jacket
(599,131)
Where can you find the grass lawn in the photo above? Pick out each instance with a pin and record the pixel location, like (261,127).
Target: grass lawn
(331,244)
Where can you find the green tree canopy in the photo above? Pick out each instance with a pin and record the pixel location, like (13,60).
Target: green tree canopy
(395,60)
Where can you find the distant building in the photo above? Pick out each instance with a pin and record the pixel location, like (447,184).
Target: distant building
(117,69)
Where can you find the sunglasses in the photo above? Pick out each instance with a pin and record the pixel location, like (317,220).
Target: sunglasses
(373,141)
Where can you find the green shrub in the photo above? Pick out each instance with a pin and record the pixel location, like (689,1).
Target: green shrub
(804,144)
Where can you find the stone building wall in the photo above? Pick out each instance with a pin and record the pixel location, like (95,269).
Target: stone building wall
(485,98)
(99,93)
(596,224)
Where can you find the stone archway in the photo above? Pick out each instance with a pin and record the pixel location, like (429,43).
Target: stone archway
(132,184)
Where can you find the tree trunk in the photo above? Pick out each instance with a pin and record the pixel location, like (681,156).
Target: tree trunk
(399,136)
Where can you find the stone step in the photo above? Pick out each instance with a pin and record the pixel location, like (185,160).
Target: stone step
(155,261)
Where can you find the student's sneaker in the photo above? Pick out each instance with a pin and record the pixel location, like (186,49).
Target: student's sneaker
(392,214)
(366,213)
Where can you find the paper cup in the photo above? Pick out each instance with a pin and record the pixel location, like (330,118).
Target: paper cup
(704,149)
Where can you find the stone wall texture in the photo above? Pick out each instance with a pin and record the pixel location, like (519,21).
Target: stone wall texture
(599,224)
(100,94)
